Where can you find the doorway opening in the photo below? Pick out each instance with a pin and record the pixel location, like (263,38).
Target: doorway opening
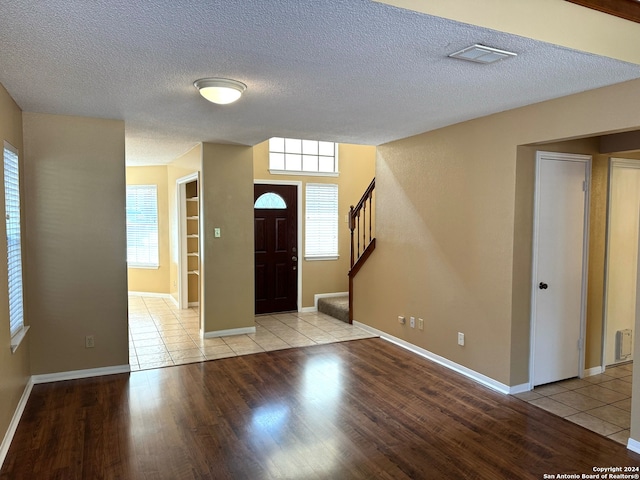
(621,264)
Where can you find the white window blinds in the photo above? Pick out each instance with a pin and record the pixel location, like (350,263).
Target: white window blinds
(14,243)
(142,226)
(321,225)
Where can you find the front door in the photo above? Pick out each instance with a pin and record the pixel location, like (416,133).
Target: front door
(276,250)
(559,267)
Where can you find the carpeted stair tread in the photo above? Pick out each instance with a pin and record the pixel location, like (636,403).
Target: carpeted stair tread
(337,307)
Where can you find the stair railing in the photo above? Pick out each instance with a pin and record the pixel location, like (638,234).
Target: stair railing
(361,220)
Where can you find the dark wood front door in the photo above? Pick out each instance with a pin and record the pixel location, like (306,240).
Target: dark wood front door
(276,251)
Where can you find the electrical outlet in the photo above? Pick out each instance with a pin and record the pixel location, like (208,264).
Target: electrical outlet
(412,322)
(420,324)
(89,341)
(460,338)
(401,320)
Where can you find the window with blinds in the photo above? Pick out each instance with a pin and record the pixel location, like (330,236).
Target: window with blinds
(142,226)
(321,225)
(14,243)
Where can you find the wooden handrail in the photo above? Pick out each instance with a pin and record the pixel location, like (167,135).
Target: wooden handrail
(360,224)
(354,223)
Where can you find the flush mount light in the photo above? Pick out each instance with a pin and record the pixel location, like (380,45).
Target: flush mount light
(220,90)
(481,54)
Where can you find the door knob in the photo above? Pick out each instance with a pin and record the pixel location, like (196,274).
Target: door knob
(295,259)
(543,286)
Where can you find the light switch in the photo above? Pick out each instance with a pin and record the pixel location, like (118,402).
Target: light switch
(216,232)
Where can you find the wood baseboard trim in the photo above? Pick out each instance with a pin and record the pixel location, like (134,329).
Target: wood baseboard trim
(229,332)
(75,374)
(15,420)
(467,372)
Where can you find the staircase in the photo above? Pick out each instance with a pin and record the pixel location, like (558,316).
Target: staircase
(337,307)
(363,243)
(361,223)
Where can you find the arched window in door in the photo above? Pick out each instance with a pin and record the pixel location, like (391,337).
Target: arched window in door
(270,200)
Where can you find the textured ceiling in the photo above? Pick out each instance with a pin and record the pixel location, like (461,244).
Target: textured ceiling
(343,70)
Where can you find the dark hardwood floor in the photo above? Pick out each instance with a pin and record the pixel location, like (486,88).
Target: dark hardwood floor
(359,409)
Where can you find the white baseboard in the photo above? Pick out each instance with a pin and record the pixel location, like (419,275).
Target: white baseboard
(633,445)
(174,300)
(193,304)
(229,332)
(308,309)
(75,374)
(589,372)
(150,294)
(523,387)
(467,372)
(317,296)
(13,425)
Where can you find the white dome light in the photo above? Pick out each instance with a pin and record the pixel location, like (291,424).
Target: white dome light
(220,90)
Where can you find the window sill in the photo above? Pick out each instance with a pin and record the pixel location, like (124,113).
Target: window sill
(16,340)
(328,257)
(304,174)
(144,267)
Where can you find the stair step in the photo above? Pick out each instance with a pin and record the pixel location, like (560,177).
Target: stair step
(337,307)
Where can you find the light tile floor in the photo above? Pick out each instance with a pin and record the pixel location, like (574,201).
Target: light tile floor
(162,335)
(601,403)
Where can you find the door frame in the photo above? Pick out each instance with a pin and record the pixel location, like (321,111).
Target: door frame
(571,157)
(181,196)
(298,185)
(613,162)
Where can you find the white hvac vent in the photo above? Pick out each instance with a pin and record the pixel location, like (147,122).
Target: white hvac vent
(481,54)
(623,344)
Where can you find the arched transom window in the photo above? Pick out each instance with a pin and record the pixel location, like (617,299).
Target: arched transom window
(270,200)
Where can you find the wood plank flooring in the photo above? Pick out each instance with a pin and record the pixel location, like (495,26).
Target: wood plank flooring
(360,409)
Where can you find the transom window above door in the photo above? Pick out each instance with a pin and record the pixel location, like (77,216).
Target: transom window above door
(295,156)
(270,200)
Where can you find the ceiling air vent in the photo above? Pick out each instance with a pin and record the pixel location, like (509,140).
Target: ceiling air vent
(481,54)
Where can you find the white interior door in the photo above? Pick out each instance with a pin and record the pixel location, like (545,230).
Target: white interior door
(622,254)
(559,270)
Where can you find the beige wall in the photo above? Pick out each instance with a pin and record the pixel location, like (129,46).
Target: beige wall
(14,368)
(357,168)
(151,279)
(182,166)
(450,206)
(76,242)
(226,271)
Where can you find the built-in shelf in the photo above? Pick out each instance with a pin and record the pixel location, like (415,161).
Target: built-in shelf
(192,221)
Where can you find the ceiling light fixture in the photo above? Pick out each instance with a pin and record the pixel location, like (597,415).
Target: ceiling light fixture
(481,54)
(220,90)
